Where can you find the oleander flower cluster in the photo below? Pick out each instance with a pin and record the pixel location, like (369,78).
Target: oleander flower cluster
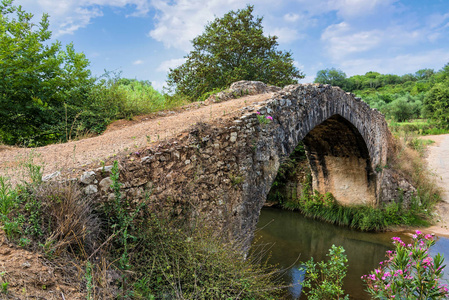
(409,272)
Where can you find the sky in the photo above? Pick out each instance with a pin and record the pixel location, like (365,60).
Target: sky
(143,39)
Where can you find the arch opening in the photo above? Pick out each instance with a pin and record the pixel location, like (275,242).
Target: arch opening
(340,163)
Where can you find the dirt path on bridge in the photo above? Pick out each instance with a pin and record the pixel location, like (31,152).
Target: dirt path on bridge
(437,158)
(121,136)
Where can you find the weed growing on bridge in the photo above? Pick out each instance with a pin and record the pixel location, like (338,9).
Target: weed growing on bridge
(324,207)
(263,120)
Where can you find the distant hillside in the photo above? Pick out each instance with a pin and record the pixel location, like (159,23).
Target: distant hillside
(424,94)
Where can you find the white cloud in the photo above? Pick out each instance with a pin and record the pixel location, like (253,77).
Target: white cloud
(158,85)
(138,62)
(307,79)
(291,17)
(285,34)
(355,8)
(342,40)
(165,66)
(438,20)
(178,22)
(298,65)
(67,16)
(346,8)
(400,64)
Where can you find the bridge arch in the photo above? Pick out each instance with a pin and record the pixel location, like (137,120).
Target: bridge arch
(340,162)
(346,144)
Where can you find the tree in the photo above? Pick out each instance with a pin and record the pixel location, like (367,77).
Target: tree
(436,104)
(424,74)
(334,77)
(232,48)
(38,79)
(403,108)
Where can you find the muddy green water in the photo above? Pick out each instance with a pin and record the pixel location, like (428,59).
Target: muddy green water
(294,238)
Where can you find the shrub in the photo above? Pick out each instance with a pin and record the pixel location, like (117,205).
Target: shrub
(65,217)
(38,79)
(175,261)
(325,279)
(166,257)
(409,272)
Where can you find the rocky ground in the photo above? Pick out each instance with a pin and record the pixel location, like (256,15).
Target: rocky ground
(28,275)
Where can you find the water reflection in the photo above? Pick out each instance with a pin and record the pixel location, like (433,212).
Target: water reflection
(295,236)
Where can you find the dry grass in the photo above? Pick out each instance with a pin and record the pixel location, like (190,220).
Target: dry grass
(69,217)
(410,163)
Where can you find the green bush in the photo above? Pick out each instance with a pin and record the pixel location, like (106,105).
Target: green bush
(324,280)
(38,79)
(174,261)
(436,104)
(156,255)
(47,94)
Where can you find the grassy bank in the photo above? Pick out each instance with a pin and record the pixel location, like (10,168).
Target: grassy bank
(360,217)
(417,127)
(125,250)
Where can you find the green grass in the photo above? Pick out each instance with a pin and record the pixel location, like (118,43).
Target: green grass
(418,127)
(359,217)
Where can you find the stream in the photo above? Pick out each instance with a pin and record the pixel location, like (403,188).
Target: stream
(293,238)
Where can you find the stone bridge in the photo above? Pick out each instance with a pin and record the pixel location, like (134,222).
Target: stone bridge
(224,171)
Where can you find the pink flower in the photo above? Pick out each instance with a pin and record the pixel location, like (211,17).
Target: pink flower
(418,232)
(270,118)
(258,112)
(398,272)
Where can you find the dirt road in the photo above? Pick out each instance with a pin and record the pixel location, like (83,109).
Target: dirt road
(121,136)
(438,161)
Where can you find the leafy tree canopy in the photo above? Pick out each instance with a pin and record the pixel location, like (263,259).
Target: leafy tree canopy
(232,48)
(436,104)
(36,77)
(331,76)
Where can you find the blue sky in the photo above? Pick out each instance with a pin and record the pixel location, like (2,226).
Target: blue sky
(144,38)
